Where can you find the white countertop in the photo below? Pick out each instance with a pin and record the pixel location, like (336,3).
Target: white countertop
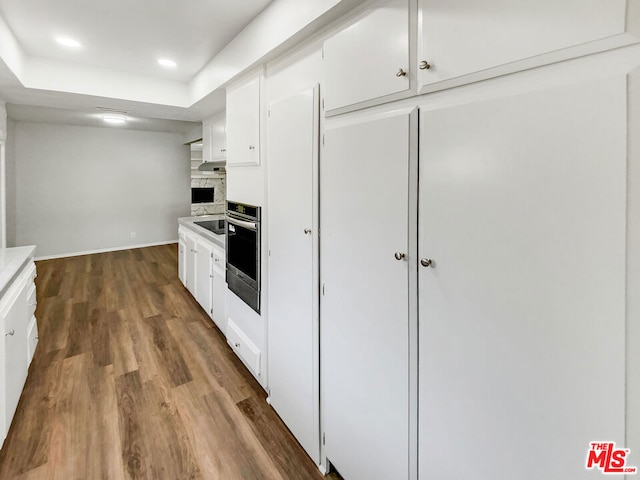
(189,222)
(12,261)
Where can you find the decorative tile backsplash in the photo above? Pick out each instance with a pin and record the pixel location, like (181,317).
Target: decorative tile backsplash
(218,183)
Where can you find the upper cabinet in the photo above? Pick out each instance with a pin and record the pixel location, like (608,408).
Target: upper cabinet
(214,138)
(369,59)
(382,55)
(461,41)
(243,123)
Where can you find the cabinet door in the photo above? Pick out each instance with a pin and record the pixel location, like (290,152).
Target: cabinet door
(364,61)
(293,286)
(365,323)
(207,140)
(182,260)
(243,124)
(522,313)
(190,269)
(204,276)
(219,290)
(219,138)
(494,37)
(14,320)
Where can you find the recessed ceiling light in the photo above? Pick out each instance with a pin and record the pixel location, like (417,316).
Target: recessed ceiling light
(68,42)
(165,62)
(115,119)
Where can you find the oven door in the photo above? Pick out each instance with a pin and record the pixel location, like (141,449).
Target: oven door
(243,251)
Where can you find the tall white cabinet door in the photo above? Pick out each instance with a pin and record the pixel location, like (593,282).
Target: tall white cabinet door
(363,61)
(365,321)
(494,37)
(204,276)
(243,124)
(522,313)
(293,284)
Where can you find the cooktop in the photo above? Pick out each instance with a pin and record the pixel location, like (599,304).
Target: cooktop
(216,226)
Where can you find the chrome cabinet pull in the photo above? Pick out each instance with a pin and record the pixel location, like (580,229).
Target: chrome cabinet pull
(426,262)
(400,73)
(10,333)
(251,147)
(399,256)
(307,231)
(424,65)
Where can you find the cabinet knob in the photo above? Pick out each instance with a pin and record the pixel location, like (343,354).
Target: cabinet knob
(10,333)
(237,345)
(399,255)
(426,262)
(223,150)
(424,65)
(307,231)
(251,147)
(400,73)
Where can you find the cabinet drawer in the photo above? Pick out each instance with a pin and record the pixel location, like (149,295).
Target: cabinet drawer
(243,347)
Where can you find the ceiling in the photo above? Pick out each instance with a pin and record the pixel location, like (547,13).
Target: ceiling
(130,35)
(212,41)
(122,41)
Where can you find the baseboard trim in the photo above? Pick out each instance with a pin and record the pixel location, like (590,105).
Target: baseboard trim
(104,250)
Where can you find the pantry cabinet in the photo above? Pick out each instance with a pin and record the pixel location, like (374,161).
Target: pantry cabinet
(368,273)
(243,123)
(370,58)
(293,269)
(517,194)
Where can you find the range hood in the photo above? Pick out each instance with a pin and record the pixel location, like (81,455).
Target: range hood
(212,166)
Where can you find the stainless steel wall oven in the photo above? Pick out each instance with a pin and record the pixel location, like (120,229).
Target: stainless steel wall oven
(243,252)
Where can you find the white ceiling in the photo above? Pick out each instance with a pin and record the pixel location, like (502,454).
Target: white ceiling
(130,35)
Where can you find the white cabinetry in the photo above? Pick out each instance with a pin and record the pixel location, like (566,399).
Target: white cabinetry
(369,59)
(19,337)
(484,39)
(214,138)
(204,276)
(367,267)
(201,267)
(517,194)
(243,123)
(463,41)
(293,275)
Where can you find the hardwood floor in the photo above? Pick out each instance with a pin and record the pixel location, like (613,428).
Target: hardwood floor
(132,380)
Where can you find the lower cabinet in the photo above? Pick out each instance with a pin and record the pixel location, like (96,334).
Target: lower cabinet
(17,343)
(201,268)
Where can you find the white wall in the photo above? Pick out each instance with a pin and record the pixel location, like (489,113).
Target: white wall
(10,183)
(83,188)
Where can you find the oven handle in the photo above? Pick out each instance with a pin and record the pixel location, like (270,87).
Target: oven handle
(242,223)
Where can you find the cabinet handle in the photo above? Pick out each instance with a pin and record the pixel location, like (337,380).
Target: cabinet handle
(426,262)
(11,333)
(237,345)
(400,73)
(251,147)
(223,150)
(424,65)
(36,337)
(399,255)
(307,231)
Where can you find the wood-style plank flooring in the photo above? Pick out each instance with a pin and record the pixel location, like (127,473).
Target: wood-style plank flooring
(131,380)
